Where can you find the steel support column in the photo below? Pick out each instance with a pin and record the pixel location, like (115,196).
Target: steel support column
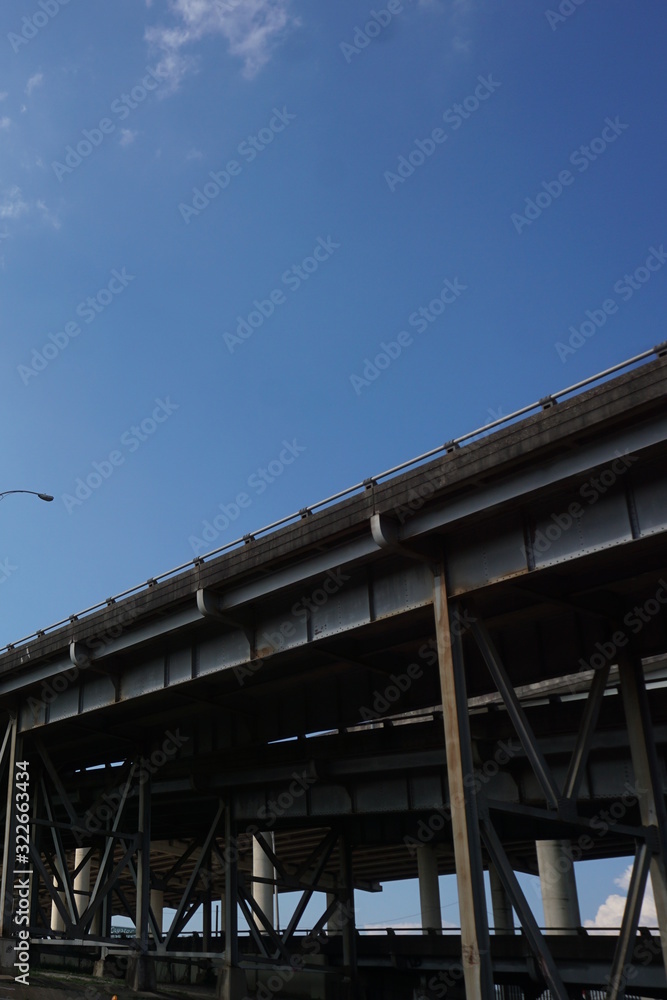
(7,887)
(232,980)
(8,757)
(206,914)
(36,832)
(475,944)
(141,969)
(647,777)
(429,888)
(349,926)
(97,924)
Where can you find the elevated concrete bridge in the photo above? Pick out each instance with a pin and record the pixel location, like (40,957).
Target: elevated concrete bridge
(459,667)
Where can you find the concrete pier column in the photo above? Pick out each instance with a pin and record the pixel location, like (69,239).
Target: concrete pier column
(503,916)
(82,890)
(559,887)
(429,888)
(96,923)
(157,906)
(81,880)
(57,922)
(262,868)
(333,923)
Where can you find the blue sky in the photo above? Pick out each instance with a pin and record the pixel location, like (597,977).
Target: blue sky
(213,215)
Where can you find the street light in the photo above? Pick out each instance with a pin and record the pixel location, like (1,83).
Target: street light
(42,496)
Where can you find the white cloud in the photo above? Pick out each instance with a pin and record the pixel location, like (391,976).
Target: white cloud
(12,204)
(47,215)
(34,82)
(459,45)
(195,154)
(251,28)
(460,14)
(127,136)
(3,95)
(5,122)
(610,913)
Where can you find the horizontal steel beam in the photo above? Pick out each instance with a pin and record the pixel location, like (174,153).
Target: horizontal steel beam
(493,552)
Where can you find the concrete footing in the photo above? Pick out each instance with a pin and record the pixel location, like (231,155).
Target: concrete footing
(7,956)
(141,973)
(231,984)
(110,967)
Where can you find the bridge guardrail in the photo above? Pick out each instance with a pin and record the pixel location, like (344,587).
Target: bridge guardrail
(660,350)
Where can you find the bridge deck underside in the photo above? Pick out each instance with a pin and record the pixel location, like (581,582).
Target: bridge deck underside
(304,697)
(386,781)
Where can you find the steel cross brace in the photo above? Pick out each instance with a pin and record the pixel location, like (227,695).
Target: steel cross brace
(516,713)
(326,848)
(61,857)
(519,902)
(108,886)
(50,887)
(630,923)
(582,747)
(250,907)
(174,930)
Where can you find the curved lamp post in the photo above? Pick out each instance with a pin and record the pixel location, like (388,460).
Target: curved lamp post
(42,496)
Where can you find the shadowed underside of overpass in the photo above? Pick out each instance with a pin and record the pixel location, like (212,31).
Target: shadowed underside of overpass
(443,673)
